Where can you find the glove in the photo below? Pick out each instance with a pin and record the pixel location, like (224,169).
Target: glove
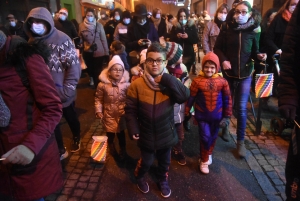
(18,155)
(224,122)
(288,111)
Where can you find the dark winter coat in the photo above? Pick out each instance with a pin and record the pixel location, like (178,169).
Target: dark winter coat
(67,27)
(240,47)
(18,30)
(150,113)
(137,32)
(121,34)
(109,29)
(43,176)
(186,43)
(274,36)
(162,27)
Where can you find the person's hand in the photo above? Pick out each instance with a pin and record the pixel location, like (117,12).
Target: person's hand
(179,35)
(184,35)
(262,56)
(224,122)
(226,65)
(99,115)
(157,79)
(288,111)
(136,136)
(278,51)
(18,155)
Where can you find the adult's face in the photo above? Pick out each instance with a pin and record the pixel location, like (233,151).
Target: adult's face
(12,22)
(292,5)
(38,26)
(182,16)
(141,19)
(155,63)
(90,16)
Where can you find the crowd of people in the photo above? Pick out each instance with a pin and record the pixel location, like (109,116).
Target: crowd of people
(139,64)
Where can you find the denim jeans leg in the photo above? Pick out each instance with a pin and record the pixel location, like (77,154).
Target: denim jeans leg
(241,96)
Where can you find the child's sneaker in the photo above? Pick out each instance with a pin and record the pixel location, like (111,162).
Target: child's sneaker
(75,146)
(209,159)
(64,154)
(204,167)
(142,185)
(165,188)
(179,157)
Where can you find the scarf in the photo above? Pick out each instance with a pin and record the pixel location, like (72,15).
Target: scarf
(249,25)
(218,22)
(141,31)
(90,25)
(286,15)
(150,82)
(156,22)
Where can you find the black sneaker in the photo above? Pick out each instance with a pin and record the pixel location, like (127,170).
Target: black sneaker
(165,189)
(142,185)
(180,157)
(75,146)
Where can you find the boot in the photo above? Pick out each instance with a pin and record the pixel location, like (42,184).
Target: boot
(122,154)
(225,134)
(241,149)
(112,149)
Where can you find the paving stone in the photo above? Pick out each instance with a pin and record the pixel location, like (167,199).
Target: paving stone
(281,172)
(92,186)
(274,198)
(259,156)
(277,182)
(273,162)
(62,198)
(81,185)
(269,142)
(94,179)
(86,139)
(273,175)
(264,151)
(88,194)
(74,158)
(74,199)
(80,165)
(252,146)
(84,159)
(69,169)
(262,162)
(74,176)
(270,157)
(87,172)
(255,151)
(71,183)
(96,173)
(253,137)
(268,168)
(67,191)
(72,163)
(84,178)
(78,192)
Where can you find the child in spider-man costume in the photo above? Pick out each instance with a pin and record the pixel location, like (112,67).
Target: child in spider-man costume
(213,107)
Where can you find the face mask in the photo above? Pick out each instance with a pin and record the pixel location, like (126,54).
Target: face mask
(157,16)
(90,19)
(240,19)
(38,29)
(142,22)
(13,24)
(222,17)
(103,16)
(62,17)
(291,9)
(183,22)
(126,21)
(117,17)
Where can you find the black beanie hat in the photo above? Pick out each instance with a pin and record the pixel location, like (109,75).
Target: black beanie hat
(126,14)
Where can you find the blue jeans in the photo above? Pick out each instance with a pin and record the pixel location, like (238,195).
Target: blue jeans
(240,91)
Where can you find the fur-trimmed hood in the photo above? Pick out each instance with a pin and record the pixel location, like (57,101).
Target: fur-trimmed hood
(103,77)
(189,23)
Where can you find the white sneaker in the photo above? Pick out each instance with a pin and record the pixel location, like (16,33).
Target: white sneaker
(209,159)
(91,81)
(64,155)
(204,167)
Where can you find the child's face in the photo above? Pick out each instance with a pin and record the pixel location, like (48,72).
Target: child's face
(179,60)
(155,63)
(111,48)
(209,69)
(116,72)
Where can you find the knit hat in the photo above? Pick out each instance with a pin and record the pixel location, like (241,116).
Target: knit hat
(126,14)
(174,52)
(211,57)
(4,113)
(2,39)
(64,10)
(143,56)
(115,60)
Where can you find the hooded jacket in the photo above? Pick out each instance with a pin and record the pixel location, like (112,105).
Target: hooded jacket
(63,62)
(186,43)
(110,100)
(150,113)
(43,176)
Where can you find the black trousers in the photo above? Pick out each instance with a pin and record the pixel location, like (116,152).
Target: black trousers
(72,119)
(120,136)
(94,65)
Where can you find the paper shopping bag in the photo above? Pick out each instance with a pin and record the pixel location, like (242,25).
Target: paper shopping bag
(99,147)
(263,85)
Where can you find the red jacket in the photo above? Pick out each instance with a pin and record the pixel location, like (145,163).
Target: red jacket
(43,175)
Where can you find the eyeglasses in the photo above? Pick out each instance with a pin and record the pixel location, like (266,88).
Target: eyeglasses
(242,12)
(157,61)
(62,13)
(117,70)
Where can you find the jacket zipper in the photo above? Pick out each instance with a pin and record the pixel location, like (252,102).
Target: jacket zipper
(239,56)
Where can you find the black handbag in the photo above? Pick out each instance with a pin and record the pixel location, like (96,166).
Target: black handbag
(94,46)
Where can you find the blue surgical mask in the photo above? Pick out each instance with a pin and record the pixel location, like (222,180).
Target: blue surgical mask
(38,29)
(62,17)
(13,23)
(183,22)
(292,8)
(90,19)
(222,17)
(126,20)
(117,17)
(240,19)
(142,22)
(157,16)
